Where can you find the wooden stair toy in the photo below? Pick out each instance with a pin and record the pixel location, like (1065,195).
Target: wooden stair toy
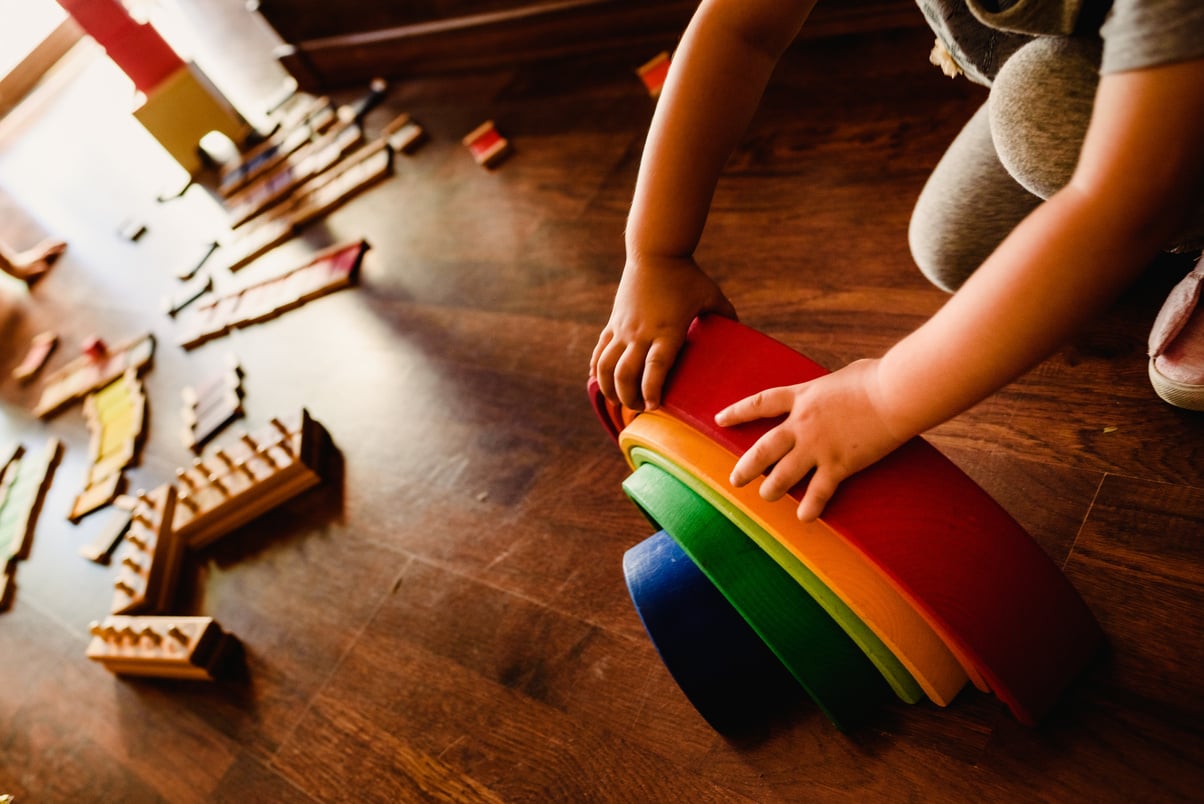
(247,477)
(150,557)
(161,646)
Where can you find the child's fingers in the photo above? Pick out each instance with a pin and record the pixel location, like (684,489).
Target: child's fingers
(819,491)
(786,473)
(763,405)
(629,372)
(656,368)
(768,450)
(594,359)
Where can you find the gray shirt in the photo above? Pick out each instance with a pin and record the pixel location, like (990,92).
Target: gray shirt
(980,35)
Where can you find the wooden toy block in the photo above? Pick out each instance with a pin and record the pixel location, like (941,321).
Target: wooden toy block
(160,646)
(182,110)
(97,495)
(298,169)
(327,271)
(323,194)
(23,487)
(293,132)
(85,374)
(39,351)
(654,72)
(115,415)
(486,144)
(150,556)
(403,134)
(212,406)
(111,533)
(247,477)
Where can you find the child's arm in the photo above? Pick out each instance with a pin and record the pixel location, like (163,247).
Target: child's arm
(1141,166)
(714,86)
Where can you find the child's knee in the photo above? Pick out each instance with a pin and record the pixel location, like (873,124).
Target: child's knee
(936,255)
(1040,105)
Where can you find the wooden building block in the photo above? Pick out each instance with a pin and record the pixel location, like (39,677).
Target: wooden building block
(486,144)
(296,129)
(39,351)
(246,477)
(181,110)
(111,533)
(299,168)
(160,646)
(327,271)
(212,405)
(115,415)
(654,72)
(403,134)
(322,194)
(1004,609)
(86,374)
(148,564)
(23,485)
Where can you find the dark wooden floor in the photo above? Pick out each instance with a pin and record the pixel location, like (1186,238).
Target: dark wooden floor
(446,618)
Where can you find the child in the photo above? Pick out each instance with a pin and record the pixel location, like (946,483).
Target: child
(30,266)
(1085,162)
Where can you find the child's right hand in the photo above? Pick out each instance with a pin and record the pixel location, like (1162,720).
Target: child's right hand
(657,299)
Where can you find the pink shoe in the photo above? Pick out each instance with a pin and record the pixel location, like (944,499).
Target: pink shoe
(1177,344)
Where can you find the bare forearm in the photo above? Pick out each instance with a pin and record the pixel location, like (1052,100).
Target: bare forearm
(718,75)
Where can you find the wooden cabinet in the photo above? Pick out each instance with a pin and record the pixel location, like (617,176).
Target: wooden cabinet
(349,42)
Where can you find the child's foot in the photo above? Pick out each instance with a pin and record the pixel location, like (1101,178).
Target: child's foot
(1177,344)
(33,264)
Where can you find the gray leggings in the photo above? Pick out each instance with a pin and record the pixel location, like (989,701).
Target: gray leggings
(1020,148)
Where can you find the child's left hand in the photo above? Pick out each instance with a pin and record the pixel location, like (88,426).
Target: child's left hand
(834,425)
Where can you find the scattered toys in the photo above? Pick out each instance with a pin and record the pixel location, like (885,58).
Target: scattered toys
(330,270)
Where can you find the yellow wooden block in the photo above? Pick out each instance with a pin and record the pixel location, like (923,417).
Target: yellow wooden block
(183,109)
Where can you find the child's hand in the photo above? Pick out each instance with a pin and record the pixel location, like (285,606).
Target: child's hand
(655,303)
(833,425)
